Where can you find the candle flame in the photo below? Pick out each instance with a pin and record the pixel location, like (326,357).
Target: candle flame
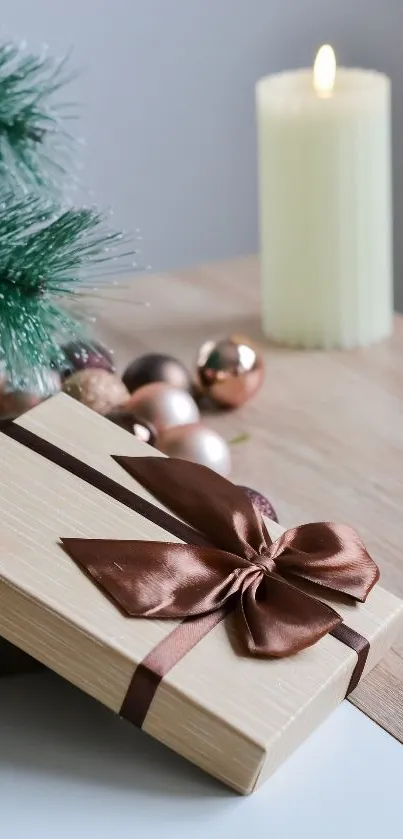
(324,71)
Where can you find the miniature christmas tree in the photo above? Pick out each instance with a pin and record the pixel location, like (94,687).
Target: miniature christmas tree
(48,254)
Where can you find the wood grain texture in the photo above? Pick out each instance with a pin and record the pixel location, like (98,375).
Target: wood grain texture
(236,717)
(326,430)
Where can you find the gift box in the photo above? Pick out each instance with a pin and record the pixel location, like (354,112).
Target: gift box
(221,635)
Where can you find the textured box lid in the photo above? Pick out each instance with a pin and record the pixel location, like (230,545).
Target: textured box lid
(236,717)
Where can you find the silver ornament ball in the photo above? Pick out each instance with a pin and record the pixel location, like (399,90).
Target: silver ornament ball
(163,406)
(198,444)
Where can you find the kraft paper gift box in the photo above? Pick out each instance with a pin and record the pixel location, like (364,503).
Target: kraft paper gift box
(235,716)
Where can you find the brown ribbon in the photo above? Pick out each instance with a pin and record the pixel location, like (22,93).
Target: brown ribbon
(245,571)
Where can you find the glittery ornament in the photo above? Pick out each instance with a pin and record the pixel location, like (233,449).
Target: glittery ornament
(163,406)
(80,355)
(229,371)
(131,423)
(261,503)
(155,367)
(98,389)
(197,443)
(13,403)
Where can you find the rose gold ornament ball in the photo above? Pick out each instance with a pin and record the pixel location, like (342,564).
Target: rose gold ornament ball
(156,367)
(197,443)
(229,371)
(131,423)
(97,389)
(13,403)
(163,406)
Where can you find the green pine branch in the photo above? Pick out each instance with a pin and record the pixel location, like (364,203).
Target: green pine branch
(34,146)
(47,258)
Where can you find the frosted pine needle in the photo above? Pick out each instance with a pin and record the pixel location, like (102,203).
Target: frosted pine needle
(34,146)
(47,258)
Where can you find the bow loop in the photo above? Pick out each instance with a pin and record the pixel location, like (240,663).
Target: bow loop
(278,620)
(209,503)
(326,554)
(169,581)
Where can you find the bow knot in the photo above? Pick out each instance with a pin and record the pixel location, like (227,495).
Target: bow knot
(233,563)
(267,563)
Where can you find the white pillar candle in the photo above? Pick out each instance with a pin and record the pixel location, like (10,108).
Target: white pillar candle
(325,205)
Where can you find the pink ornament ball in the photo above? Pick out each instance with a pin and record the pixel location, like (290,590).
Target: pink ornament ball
(163,406)
(198,444)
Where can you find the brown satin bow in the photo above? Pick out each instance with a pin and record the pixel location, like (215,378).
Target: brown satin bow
(239,566)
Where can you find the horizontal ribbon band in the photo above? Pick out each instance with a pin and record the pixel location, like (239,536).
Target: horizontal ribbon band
(234,563)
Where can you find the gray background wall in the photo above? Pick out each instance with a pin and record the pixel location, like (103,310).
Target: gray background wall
(168,94)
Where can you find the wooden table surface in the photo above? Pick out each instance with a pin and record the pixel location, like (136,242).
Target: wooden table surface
(325,431)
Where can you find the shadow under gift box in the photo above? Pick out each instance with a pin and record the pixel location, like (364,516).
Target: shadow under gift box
(13,660)
(236,717)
